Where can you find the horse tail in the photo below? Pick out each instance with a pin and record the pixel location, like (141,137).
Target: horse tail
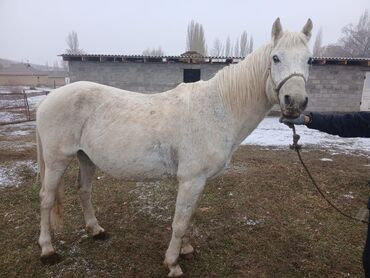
(57,210)
(40,160)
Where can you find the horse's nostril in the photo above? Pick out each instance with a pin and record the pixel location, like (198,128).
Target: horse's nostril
(287,99)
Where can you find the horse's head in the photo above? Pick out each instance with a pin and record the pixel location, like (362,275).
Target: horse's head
(288,71)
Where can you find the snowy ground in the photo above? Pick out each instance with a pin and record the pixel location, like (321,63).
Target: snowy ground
(11,172)
(34,101)
(34,97)
(271,133)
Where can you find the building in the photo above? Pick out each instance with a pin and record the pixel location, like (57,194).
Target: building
(26,75)
(335,84)
(142,73)
(339,85)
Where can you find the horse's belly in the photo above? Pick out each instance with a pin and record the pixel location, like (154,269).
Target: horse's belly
(138,171)
(157,163)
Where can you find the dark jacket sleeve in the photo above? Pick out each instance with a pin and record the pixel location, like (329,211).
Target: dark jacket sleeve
(347,125)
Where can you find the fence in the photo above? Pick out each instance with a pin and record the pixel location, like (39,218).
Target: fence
(15,106)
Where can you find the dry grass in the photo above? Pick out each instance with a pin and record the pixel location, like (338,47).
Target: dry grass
(262,218)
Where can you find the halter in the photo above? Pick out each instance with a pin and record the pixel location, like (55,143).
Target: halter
(281,84)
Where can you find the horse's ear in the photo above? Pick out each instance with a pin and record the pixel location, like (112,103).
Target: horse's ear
(307,29)
(277,31)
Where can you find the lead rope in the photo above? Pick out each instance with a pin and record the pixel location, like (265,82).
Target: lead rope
(295,146)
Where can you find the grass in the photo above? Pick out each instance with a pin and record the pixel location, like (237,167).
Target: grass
(262,218)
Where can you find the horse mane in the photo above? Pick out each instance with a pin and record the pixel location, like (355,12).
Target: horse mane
(244,84)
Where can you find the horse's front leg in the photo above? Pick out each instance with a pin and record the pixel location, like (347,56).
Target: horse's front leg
(186,247)
(187,197)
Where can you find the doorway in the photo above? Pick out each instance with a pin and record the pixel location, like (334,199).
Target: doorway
(191,75)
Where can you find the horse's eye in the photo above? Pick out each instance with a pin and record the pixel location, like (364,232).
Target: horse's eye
(276,59)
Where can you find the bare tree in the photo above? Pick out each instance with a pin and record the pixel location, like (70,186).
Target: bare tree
(72,43)
(153,52)
(56,65)
(317,47)
(195,40)
(228,47)
(356,38)
(246,45)
(333,50)
(218,48)
(355,41)
(250,48)
(237,48)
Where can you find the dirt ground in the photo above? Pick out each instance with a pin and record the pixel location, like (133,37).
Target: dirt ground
(262,218)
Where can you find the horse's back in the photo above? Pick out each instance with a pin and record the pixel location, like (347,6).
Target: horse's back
(61,116)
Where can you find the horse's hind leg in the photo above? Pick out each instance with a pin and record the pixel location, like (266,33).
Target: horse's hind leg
(87,171)
(48,194)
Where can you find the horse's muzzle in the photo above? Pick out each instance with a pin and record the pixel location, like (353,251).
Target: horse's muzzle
(292,108)
(291,113)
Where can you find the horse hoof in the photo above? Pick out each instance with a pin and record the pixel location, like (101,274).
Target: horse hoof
(51,259)
(188,256)
(101,236)
(175,271)
(187,252)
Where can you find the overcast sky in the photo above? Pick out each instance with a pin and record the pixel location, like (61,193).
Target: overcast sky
(35,30)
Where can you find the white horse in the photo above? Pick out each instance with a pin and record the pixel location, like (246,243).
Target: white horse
(189,132)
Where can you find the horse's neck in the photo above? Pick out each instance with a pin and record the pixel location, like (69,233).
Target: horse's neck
(241,89)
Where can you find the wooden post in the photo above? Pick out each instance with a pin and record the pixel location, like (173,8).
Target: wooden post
(27,107)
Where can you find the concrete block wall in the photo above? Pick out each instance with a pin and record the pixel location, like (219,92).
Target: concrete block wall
(335,88)
(331,88)
(138,77)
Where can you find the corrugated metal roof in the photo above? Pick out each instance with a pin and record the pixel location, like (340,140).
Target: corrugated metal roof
(146,56)
(351,61)
(150,59)
(362,61)
(342,58)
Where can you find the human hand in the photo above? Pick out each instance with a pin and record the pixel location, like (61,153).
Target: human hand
(301,120)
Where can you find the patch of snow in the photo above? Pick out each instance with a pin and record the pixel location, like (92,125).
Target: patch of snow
(349,195)
(12,103)
(252,222)
(33,102)
(18,133)
(10,172)
(10,117)
(326,159)
(19,129)
(274,134)
(154,199)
